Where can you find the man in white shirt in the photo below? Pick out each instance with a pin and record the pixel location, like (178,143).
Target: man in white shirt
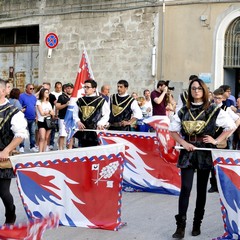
(148,103)
(124,109)
(90,112)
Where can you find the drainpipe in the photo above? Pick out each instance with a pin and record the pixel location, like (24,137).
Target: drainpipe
(162,46)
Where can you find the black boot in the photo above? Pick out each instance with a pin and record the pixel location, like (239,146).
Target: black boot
(198,216)
(213,183)
(10,216)
(196,229)
(181,225)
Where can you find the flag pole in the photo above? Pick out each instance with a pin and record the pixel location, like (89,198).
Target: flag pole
(205,149)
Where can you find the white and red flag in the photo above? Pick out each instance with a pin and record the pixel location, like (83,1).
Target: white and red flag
(32,230)
(84,73)
(227,169)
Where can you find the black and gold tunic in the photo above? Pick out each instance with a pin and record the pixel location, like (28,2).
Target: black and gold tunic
(197,122)
(120,111)
(90,112)
(7,111)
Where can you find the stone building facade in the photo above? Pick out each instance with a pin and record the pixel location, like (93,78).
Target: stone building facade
(140,41)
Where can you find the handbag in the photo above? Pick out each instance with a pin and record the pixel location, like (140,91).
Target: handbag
(50,122)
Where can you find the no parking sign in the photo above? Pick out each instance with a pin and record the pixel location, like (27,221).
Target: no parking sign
(51,41)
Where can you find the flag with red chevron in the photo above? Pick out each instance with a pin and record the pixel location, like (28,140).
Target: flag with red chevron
(84,73)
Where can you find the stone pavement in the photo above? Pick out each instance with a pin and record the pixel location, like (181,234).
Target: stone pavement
(149,216)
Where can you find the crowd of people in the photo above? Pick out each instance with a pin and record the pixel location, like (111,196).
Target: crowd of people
(126,111)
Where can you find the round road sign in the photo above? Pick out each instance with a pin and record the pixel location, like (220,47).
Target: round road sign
(51,40)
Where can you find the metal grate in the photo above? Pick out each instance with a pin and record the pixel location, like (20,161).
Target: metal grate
(232,45)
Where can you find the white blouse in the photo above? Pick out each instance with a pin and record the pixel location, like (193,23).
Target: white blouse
(46,107)
(223,120)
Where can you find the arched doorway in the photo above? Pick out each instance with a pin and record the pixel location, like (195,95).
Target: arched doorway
(232,56)
(222,73)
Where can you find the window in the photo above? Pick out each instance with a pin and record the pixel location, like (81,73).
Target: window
(19,35)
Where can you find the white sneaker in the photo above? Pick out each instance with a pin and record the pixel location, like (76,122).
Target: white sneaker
(50,147)
(47,149)
(34,149)
(21,149)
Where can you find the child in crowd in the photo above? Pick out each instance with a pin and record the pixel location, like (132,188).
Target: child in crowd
(146,112)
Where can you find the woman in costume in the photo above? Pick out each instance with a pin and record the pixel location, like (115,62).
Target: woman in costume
(194,126)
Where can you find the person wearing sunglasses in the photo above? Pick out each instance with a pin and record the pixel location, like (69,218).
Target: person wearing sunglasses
(194,126)
(28,100)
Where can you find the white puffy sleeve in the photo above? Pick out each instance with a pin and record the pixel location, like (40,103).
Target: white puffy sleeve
(19,125)
(105,114)
(175,124)
(225,121)
(137,112)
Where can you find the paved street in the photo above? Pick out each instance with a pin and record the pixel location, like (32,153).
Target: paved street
(148,216)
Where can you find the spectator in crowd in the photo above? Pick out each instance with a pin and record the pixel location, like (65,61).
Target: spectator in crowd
(8,88)
(52,100)
(14,99)
(147,95)
(146,112)
(171,103)
(12,132)
(124,109)
(105,90)
(57,89)
(231,97)
(182,99)
(28,101)
(134,95)
(56,93)
(61,106)
(142,103)
(90,112)
(159,98)
(228,102)
(211,100)
(194,126)
(44,109)
(218,96)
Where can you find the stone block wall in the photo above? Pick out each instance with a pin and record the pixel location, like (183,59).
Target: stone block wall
(119,43)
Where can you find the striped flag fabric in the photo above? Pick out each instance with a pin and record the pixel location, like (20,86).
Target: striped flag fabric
(227,169)
(32,230)
(84,73)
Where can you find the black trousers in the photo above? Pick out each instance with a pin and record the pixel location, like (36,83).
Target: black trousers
(5,194)
(187,175)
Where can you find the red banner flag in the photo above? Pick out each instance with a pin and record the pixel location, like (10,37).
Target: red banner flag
(84,73)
